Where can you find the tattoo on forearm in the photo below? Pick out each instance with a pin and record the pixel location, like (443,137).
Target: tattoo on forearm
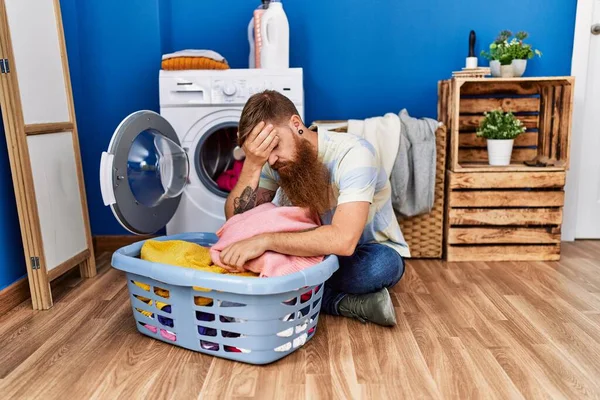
(265,198)
(245,202)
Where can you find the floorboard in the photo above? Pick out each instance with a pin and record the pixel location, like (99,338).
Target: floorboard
(518,330)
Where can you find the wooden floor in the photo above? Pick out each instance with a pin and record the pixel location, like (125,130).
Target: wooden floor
(465,330)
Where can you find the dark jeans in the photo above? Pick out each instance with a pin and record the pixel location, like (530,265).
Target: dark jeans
(371,268)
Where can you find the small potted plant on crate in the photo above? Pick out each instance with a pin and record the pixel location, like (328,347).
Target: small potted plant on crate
(500,129)
(508,58)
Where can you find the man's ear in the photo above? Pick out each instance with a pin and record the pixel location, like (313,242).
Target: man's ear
(296,123)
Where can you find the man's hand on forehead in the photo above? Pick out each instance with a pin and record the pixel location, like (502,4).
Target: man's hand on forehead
(260,143)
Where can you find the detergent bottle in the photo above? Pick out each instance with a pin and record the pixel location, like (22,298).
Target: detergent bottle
(275,37)
(254,35)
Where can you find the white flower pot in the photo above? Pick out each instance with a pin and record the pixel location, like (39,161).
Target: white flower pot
(495,68)
(506,71)
(499,151)
(519,67)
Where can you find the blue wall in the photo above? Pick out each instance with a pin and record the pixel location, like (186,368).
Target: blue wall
(361,58)
(114,50)
(12,259)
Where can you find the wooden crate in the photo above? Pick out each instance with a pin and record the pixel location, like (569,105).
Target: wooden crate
(505,213)
(543,105)
(504,216)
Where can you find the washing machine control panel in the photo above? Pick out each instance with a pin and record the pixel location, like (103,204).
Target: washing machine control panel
(227,87)
(225,91)
(237,91)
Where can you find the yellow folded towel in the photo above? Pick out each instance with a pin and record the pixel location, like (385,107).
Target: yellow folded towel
(182,254)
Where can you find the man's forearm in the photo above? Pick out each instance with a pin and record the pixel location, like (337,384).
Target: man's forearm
(243,196)
(324,240)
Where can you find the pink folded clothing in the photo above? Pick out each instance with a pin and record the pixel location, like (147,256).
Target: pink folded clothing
(267,218)
(229,178)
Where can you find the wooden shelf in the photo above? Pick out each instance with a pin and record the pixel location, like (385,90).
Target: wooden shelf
(504,216)
(515,167)
(513,212)
(522,79)
(542,104)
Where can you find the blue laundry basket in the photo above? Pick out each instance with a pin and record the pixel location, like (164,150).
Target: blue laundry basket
(247,319)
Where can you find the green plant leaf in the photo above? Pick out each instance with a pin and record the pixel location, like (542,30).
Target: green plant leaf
(497,124)
(505,49)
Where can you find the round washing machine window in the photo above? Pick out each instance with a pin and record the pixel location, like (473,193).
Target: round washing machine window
(157,168)
(214,161)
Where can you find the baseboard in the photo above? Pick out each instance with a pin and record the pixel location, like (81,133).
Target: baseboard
(14,295)
(111,243)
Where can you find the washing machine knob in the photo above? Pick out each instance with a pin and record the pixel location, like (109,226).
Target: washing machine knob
(229,89)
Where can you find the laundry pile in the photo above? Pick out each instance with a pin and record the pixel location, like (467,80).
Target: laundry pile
(228,179)
(182,254)
(407,149)
(185,254)
(266,218)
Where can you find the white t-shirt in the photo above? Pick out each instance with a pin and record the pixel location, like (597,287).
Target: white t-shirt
(356,175)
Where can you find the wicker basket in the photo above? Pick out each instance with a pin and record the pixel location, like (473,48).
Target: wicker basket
(423,233)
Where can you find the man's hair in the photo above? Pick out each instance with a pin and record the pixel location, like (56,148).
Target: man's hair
(269,106)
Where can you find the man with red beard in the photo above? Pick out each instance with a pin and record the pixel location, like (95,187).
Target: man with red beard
(339,177)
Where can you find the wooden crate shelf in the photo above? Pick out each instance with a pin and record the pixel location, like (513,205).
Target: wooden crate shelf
(543,105)
(504,216)
(513,167)
(514,212)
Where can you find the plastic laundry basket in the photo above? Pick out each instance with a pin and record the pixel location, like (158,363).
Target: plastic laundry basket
(248,319)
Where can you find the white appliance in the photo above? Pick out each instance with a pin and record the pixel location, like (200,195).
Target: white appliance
(160,169)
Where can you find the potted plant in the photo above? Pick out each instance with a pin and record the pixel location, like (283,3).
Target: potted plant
(508,57)
(521,52)
(500,129)
(500,59)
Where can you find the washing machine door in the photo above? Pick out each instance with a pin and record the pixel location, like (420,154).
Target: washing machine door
(144,172)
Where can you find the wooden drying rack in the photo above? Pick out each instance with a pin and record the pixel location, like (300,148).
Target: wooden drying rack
(43,146)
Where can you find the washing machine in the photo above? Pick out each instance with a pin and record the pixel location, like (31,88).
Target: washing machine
(160,169)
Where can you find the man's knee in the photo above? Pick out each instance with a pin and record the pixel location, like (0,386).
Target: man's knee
(381,266)
(387,266)
(371,268)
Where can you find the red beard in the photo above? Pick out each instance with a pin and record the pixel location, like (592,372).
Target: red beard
(305,181)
